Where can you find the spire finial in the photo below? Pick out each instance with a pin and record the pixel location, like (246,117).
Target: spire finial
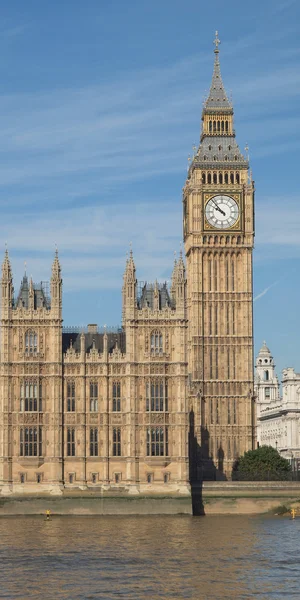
(216,43)
(25,266)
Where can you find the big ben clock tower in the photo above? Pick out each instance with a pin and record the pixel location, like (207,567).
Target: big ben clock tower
(218,200)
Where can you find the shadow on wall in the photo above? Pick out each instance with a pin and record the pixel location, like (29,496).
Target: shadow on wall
(201,465)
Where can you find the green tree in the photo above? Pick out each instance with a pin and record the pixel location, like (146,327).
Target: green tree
(262,464)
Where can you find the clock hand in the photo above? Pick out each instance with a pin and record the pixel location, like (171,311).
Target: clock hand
(219,209)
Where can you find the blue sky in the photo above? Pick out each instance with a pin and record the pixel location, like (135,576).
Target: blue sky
(100,106)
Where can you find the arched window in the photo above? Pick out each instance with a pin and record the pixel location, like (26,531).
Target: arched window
(215,178)
(210,126)
(31,396)
(157,395)
(222,126)
(116,396)
(157,441)
(30,342)
(203,178)
(231,178)
(31,441)
(71,396)
(219,126)
(220,178)
(94,437)
(215,126)
(266,375)
(237,178)
(156,342)
(226,177)
(93,396)
(226,126)
(209,178)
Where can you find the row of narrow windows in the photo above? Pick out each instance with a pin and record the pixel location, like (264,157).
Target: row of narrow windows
(230,409)
(230,320)
(221,178)
(218,126)
(156,396)
(214,274)
(230,364)
(31,441)
(216,239)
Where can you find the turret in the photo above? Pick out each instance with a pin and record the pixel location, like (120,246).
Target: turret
(6,284)
(129,289)
(56,284)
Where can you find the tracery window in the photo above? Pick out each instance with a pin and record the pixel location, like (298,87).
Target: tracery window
(30,396)
(30,342)
(157,395)
(156,342)
(31,441)
(70,441)
(116,396)
(94,441)
(93,396)
(116,442)
(71,396)
(157,441)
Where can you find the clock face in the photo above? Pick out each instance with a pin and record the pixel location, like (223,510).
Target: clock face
(222,212)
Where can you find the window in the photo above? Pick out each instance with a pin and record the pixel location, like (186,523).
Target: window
(217,411)
(211,412)
(228,413)
(203,178)
(94,477)
(22,478)
(116,393)
(71,396)
(266,375)
(228,449)
(93,397)
(93,441)
(30,342)
(234,411)
(166,477)
(156,342)
(30,396)
(70,441)
(31,441)
(232,275)
(157,441)
(39,477)
(118,477)
(116,442)
(149,477)
(157,395)
(267,392)
(71,477)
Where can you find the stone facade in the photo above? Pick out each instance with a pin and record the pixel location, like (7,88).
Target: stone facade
(278,416)
(165,401)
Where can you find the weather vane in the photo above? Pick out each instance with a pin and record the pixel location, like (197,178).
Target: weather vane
(217,42)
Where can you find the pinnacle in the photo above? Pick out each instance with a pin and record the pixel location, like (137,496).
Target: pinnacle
(217,97)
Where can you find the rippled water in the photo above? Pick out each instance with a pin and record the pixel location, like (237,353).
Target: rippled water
(149,557)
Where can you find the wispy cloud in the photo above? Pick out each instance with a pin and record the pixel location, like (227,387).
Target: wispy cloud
(265,291)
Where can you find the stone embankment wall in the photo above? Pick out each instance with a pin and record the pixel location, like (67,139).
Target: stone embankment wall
(213,498)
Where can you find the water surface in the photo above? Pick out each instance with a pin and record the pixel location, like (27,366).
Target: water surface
(87,558)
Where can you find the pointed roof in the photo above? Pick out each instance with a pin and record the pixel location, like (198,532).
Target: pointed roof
(217,97)
(6,268)
(264,349)
(56,270)
(130,268)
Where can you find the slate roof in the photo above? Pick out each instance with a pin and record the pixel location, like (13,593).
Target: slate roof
(112,339)
(146,298)
(219,149)
(40,297)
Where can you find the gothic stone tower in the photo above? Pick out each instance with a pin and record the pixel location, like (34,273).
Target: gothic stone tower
(218,201)
(31,383)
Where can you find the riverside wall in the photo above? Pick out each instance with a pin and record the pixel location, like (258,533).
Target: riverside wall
(212,498)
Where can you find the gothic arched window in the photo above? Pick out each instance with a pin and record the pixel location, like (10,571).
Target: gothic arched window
(156,342)
(30,342)
(116,396)
(71,396)
(266,375)
(157,395)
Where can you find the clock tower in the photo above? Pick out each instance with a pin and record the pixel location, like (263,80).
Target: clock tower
(218,204)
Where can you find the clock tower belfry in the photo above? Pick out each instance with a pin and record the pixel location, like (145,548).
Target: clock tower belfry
(218,202)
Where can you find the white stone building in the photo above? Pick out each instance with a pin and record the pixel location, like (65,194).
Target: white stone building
(278,416)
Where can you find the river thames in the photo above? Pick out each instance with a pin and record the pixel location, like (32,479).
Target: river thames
(87,558)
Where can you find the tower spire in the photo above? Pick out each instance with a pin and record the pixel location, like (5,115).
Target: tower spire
(217,98)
